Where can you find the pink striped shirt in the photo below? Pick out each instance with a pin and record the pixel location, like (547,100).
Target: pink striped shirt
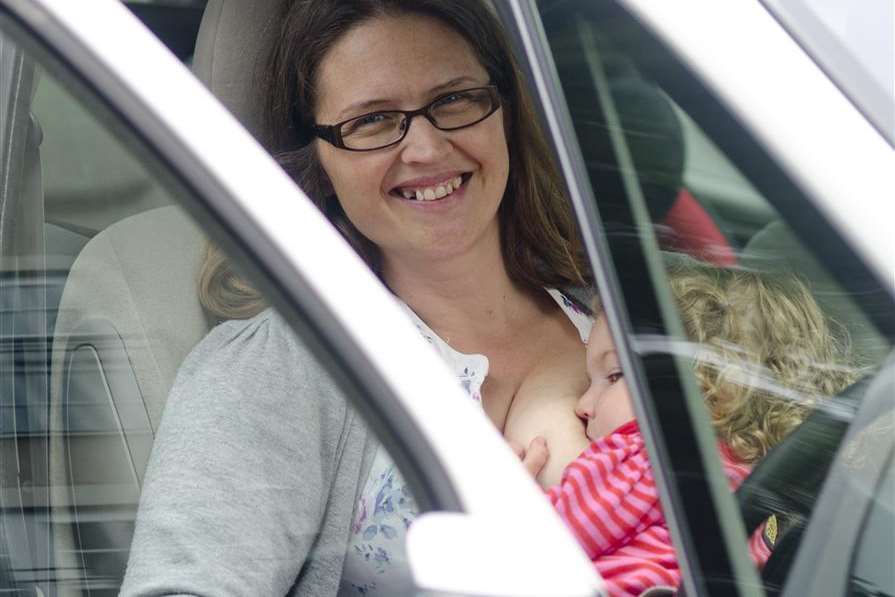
(608,498)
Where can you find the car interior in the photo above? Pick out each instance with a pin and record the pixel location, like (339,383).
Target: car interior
(783,489)
(100,270)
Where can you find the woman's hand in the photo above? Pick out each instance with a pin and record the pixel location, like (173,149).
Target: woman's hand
(534,457)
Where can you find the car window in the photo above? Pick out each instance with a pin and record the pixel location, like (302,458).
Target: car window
(872,573)
(721,261)
(101,306)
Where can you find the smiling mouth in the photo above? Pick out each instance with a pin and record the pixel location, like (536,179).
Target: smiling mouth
(434,192)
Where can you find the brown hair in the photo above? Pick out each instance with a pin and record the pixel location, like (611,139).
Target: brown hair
(760,332)
(539,240)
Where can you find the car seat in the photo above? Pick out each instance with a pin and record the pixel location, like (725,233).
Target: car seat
(655,138)
(653,134)
(128,316)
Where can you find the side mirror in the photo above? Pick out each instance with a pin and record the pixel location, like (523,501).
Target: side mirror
(460,554)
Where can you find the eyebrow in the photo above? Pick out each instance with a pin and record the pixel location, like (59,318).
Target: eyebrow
(605,356)
(362,107)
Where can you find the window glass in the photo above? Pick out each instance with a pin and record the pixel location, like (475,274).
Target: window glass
(872,573)
(724,263)
(260,469)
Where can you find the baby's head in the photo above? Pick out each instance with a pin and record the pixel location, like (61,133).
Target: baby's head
(757,333)
(606,404)
(767,352)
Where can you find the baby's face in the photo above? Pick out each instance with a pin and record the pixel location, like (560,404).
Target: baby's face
(606,404)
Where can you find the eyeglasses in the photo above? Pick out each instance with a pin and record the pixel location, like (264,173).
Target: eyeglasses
(376,130)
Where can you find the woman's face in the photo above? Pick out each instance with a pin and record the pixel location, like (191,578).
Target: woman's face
(606,404)
(404,62)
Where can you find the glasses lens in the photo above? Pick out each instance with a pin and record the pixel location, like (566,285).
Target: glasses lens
(373,130)
(462,108)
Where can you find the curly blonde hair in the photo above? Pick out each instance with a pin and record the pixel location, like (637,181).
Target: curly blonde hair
(767,352)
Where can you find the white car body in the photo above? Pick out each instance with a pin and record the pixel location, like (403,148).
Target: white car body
(818,136)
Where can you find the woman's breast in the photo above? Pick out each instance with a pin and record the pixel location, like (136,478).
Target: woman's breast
(544,405)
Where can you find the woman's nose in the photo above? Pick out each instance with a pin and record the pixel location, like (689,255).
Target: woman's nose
(424,142)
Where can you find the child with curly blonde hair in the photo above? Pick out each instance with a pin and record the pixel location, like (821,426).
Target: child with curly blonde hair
(765,354)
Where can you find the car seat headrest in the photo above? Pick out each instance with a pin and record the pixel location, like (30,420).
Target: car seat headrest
(654,137)
(231,49)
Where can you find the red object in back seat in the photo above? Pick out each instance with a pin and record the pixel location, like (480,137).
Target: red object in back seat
(693,231)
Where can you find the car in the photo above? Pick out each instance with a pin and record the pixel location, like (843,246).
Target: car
(743,134)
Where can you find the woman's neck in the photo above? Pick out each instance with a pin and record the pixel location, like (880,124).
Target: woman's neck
(467,300)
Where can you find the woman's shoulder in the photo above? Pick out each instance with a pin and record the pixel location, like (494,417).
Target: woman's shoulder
(263,340)
(261,358)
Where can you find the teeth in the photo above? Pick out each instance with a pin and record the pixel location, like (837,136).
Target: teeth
(433,193)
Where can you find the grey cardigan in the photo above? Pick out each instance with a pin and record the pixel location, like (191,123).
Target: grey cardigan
(254,474)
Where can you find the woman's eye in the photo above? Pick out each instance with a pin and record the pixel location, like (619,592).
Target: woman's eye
(614,376)
(370,119)
(368,123)
(462,99)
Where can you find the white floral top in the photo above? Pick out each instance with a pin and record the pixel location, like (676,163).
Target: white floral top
(375,564)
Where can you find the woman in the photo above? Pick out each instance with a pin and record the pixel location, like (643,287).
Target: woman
(406,122)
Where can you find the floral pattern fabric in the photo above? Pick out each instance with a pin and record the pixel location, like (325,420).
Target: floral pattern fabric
(376,564)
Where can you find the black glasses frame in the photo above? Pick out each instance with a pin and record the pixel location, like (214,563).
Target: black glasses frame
(332,133)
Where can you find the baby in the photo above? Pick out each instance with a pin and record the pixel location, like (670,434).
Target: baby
(750,327)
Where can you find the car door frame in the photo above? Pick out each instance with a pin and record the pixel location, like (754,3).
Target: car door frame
(246,200)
